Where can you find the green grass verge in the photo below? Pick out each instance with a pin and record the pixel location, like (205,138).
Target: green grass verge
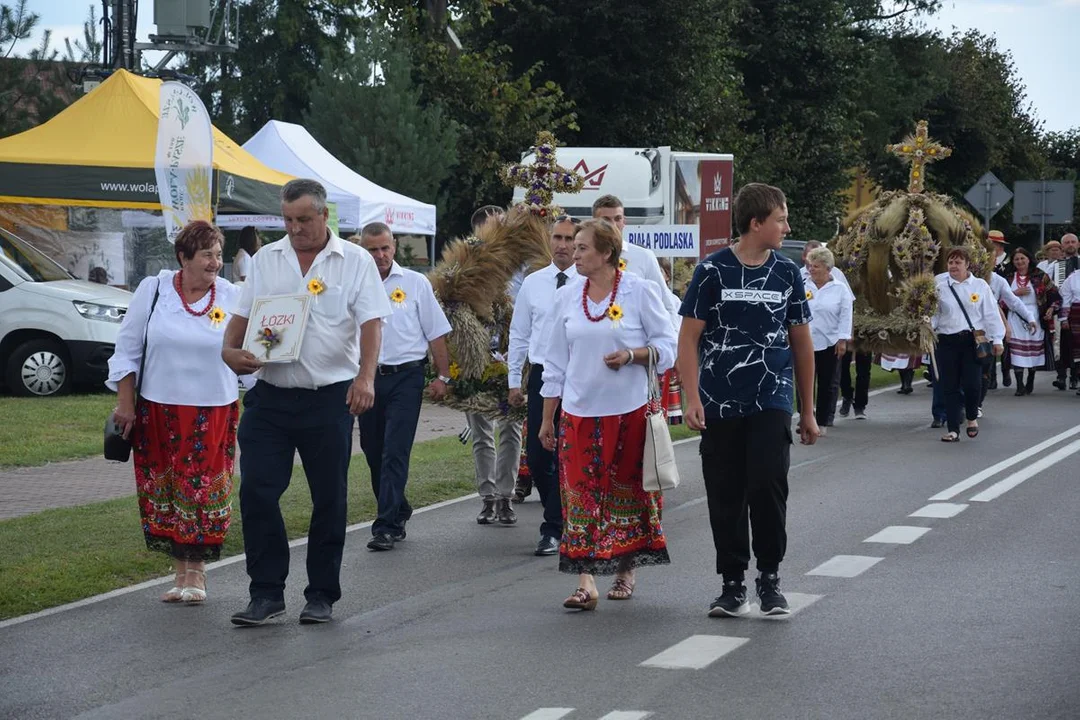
(37,430)
(59,556)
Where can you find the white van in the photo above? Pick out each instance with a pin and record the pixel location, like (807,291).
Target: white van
(55,331)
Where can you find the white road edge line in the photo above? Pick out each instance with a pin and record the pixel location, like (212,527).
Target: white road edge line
(1003,486)
(950,493)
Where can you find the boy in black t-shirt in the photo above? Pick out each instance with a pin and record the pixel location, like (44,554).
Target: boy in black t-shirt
(746,315)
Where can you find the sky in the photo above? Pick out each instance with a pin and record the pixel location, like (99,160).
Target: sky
(1040,34)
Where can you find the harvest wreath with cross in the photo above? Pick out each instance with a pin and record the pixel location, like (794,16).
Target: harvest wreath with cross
(891,249)
(471,279)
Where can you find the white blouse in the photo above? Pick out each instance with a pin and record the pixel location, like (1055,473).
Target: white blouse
(574,366)
(831,309)
(978,301)
(183,352)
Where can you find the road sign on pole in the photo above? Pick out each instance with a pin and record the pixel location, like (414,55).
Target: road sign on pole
(988,195)
(1042,203)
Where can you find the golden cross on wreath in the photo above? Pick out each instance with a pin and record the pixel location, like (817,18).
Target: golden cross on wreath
(918,150)
(543,178)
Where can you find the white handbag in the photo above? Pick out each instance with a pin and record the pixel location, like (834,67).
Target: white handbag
(659,471)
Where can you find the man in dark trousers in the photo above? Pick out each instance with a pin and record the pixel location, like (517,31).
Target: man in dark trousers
(534,302)
(745,330)
(387,431)
(306,405)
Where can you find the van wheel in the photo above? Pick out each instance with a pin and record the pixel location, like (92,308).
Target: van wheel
(39,367)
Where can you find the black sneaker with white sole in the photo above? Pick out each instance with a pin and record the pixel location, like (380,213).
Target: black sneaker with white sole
(772,600)
(732,601)
(845,407)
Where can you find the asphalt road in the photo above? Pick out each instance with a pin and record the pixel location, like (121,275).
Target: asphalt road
(965,616)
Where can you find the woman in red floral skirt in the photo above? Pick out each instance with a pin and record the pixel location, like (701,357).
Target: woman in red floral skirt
(183,423)
(598,350)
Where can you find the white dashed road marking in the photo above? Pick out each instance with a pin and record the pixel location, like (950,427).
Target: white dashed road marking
(695,652)
(548,714)
(940,510)
(1003,486)
(626,715)
(898,534)
(845,566)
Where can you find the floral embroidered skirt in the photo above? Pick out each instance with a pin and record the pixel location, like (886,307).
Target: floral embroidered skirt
(608,519)
(183,475)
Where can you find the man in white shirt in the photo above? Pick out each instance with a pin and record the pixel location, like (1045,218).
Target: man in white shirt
(387,431)
(534,302)
(305,406)
(1052,251)
(637,259)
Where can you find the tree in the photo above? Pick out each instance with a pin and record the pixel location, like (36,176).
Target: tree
(498,108)
(35,88)
(659,73)
(797,63)
(380,127)
(283,44)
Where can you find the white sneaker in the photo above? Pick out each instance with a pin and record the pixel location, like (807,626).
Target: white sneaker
(980,413)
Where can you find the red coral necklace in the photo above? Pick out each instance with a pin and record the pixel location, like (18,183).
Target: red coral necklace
(1022,281)
(611,300)
(178,284)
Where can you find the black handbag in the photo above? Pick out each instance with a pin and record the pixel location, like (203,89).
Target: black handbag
(984,349)
(118,447)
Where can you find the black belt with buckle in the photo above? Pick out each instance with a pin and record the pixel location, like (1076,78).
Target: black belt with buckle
(391,369)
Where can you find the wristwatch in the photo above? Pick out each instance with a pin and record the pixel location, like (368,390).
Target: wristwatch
(445,379)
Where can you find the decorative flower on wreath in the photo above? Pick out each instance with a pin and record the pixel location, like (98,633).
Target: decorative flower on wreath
(217,316)
(316,286)
(543,178)
(455,371)
(397,296)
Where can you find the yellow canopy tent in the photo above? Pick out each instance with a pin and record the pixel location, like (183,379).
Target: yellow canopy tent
(99,152)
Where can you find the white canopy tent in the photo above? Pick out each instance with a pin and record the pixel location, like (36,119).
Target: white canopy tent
(290,148)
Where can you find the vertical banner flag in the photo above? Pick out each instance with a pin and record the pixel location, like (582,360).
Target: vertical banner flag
(717,177)
(183,161)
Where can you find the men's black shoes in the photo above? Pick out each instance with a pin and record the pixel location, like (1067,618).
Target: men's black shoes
(487,513)
(547,546)
(505,512)
(381,541)
(772,600)
(732,601)
(258,611)
(315,612)
(399,535)
(845,407)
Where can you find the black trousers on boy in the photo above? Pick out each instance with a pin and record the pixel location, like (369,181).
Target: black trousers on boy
(745,464)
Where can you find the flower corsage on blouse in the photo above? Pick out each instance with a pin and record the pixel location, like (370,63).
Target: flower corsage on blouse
(316,286)
(974,298)
(615,315)
(217,316)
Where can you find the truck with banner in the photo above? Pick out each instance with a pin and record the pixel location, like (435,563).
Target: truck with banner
(677,204)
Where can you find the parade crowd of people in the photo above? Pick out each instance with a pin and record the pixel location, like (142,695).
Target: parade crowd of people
(754,337)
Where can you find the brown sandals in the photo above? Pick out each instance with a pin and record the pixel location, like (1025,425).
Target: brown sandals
(581,599)
(621,589)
